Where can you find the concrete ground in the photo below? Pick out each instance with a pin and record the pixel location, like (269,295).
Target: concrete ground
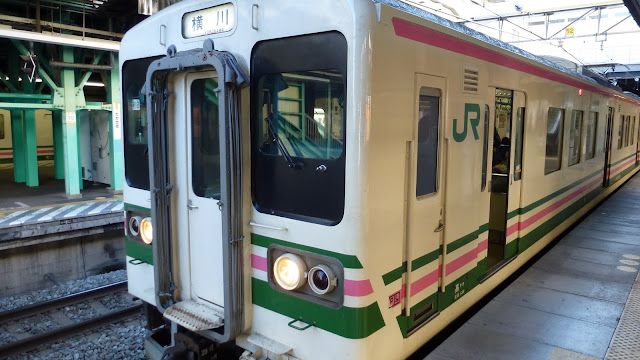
(569,303)
(50,191)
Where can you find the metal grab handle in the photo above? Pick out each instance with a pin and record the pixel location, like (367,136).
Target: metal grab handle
(254,17)
(298,327)
(136,262)
(190,205)
(439,228)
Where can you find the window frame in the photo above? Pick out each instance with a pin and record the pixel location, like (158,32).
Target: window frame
(136,160)
(485,149)
(433,93)
(519,143)
(560,137)
(577,147)
(593,144)
(276,188)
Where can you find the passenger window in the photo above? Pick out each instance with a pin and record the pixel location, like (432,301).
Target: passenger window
(517,160)
(575,135)
(205,138)
(621,132)
(483,181)
(555,131)
(632,133)
(428,118)
(590,136)
(1,126)
(626,130)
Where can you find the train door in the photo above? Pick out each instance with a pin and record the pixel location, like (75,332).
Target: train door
(506,175)
(424,200)
(515,177)
(607,147)
(196,144)
(202,177)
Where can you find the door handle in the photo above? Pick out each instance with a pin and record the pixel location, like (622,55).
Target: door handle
(190,205)
(439,228)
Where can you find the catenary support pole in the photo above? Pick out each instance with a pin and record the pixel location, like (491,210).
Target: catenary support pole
(69,132)
(17,137)
(115,128)
(30,148)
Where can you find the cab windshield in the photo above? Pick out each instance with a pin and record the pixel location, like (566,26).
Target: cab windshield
(298,123)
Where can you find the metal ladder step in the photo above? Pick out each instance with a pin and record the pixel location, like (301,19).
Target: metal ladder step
(194,316)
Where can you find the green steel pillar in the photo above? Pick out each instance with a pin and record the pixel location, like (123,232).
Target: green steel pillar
(17,137)
(115,126)
(58,145)
(69,128)
(79,144)
(30,147)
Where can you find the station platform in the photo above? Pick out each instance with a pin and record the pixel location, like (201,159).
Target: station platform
(30,213)
(579,301)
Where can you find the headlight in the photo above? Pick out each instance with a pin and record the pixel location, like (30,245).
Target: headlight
(289,271)
(134,225)
(321,279)
(146,230)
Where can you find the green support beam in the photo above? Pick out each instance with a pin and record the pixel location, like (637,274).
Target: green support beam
(58,144)
(26,106)
(41,72)
(79,145)
(17,138)
(88,73)
(69,128)
(30,148)
(115,126)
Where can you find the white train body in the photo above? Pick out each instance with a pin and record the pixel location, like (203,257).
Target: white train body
(418,224)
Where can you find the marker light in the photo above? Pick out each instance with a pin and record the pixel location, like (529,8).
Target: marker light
(289,271)
(579,92)
(134,225)
(146,230)
(321,279)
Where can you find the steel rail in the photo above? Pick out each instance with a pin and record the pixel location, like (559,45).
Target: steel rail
(38,308)
(33,342)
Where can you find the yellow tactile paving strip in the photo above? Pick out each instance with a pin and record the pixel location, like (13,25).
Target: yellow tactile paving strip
(564,354)
(625,344)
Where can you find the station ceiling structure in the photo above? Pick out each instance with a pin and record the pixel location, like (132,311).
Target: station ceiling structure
(598,36)
(60,58)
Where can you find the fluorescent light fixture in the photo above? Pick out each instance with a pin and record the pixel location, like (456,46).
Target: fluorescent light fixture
(94,84)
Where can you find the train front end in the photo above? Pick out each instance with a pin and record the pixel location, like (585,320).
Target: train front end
(239,224)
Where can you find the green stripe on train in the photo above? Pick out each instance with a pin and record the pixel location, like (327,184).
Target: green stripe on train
(458,243)
(348,261)
(348,322)
(138,251)
(128,206)
(463,284)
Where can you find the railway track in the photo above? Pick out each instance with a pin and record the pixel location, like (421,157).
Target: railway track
(64,331)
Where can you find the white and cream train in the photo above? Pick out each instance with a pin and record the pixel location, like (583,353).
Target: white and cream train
(341,179)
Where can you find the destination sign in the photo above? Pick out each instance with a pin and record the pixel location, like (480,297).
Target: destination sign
(215,20)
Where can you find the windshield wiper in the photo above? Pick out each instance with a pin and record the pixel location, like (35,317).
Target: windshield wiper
(285,153)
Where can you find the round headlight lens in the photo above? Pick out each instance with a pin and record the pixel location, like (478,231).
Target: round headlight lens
(289,271)
(134,225)
(146,230)
(321,279)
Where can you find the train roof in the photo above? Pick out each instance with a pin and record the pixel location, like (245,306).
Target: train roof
(411,9)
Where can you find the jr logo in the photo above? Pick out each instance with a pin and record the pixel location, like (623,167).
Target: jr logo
(471,115)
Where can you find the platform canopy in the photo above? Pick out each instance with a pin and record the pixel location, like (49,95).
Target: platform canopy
(598,35)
